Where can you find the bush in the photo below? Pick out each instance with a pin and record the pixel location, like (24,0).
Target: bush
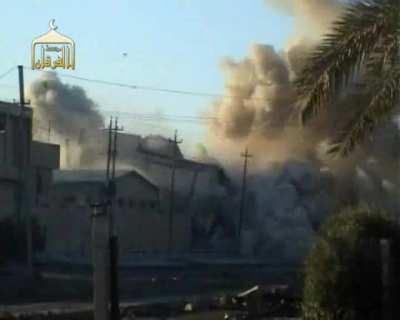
(343,273)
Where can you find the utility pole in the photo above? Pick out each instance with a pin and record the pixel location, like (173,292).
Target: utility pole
(49,132)
(25,173)
(246,156)
(105,239)
(114,294)
(109,150)
(101,232)
(67,157)
(113,130)
(114,153)
(101,262)
(175,143)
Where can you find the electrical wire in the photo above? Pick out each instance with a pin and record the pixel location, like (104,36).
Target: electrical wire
(131,86)
(200,120)
(7,72)
(146,88)
(161,117)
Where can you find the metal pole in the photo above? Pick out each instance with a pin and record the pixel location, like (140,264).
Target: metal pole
(114,152)
(114,294)
(24,165)
(109,150)
(49,132)
(246,155)
(171,208)
(175,143)
(67,157)
(21,86)
(101,260)
(388,280)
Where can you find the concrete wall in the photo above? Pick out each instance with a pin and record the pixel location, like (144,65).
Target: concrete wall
(12,139)
(15,144)
(65,215)
(45,155)
(45,158)
(8,199)
(140,216)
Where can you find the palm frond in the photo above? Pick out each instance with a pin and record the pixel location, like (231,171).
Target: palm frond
(384,96)
(362,29)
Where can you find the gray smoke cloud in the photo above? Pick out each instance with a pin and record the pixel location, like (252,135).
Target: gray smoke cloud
(68,107)
(287,203)
(69,113)
(76,124)
(293,184)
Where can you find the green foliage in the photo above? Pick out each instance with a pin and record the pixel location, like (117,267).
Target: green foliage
(363,45)
(343,275)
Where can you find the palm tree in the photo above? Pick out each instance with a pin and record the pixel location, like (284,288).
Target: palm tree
(363,48)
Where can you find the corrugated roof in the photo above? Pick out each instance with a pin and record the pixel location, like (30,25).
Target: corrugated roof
(14,109)
(83,175)
(78,176)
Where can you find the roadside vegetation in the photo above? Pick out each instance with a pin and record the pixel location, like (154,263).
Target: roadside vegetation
(359,57)
(343,270)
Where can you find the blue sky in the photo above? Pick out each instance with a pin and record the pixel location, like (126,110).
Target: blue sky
(175,44)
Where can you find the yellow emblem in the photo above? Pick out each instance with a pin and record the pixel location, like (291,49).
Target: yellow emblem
(53,50)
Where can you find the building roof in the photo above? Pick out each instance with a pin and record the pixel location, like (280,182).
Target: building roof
(160,146)
(14,109)
(82,175)
(94,176)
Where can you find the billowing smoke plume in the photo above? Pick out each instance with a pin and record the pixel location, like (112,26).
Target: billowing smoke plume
(258,104)
(259,94)
(293,184)
(63,112)
(312,17)
(65,115)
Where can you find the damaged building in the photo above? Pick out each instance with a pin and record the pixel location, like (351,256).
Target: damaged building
(25,165)
(139,211)
(73,120)
(141,206)
(60,200)
(202,190)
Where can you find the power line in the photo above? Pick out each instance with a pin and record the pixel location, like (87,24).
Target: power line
(7,72)
(162,118)
(133,86)
(137,116)
(158,115)
(154,118)
(147,88)
(200,120)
